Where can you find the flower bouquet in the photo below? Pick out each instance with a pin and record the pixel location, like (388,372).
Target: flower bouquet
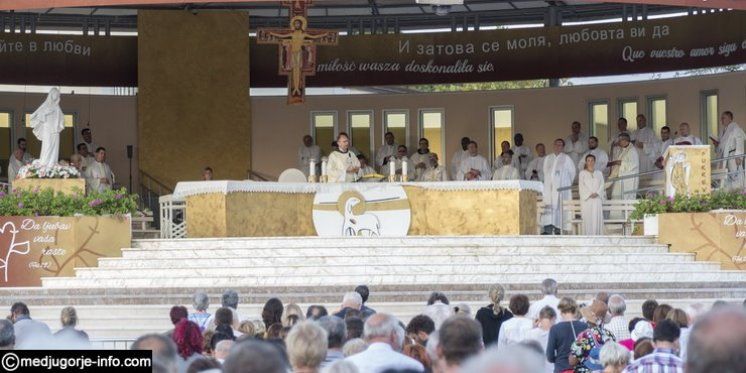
(36,170)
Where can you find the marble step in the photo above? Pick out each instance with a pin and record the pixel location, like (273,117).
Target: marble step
(221,279)
(311,251)
(234,268)
(210,260)
(382,293)
(466,241)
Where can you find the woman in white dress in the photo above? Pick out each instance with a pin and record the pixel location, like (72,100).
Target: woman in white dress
(591,188)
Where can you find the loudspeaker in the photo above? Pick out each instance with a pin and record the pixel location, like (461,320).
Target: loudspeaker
(129,151)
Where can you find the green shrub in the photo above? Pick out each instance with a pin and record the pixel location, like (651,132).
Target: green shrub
(696,203)
(47,203)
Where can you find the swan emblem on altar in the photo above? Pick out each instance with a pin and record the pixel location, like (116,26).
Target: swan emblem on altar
(364,224)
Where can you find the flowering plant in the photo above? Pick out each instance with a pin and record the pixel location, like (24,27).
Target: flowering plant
(48,203)
(696,203)
(36,170)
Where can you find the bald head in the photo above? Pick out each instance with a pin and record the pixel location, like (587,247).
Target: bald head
(716,342)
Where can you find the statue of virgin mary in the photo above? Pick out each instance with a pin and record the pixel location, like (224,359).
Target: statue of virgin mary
(47,123)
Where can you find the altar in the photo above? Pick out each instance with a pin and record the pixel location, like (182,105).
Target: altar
(265,209)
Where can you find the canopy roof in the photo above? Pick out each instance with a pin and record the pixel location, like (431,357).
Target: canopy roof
(348,15)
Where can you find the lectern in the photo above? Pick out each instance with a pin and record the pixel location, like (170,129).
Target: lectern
(687,170)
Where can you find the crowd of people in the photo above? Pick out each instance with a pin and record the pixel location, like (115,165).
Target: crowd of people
(577,159)
(552,334)
(89,159)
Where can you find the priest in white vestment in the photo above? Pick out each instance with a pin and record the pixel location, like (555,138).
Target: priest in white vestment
(507,171)
(87,157)
(396,161)
(522,153)
(535,168)
(434,171)
(386,151)
(14,164)
(559,172)
(647,144)
(577,143)
(421,158)
(343,165)
(458,156)
(474,166)
(306,152)
(88,139)
(627,162)
(666,141)
(365,168)
(498,162)
(731,143)
(98,175)
(685,138)
(591,188)
(601,158)
(621,125)
(27,158)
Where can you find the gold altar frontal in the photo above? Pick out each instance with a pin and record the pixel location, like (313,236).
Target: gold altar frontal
(432,211)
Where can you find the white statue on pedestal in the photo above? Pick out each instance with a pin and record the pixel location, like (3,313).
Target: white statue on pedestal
(48,121)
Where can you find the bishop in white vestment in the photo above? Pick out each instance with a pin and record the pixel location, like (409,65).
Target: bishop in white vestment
(732,143)
(474,166)
(591,188)
(559,172)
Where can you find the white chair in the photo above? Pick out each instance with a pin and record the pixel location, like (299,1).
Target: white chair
(292,175)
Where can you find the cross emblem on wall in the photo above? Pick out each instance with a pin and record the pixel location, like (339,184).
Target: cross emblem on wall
(297,48)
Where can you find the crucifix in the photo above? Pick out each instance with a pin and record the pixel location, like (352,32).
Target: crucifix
(297,48)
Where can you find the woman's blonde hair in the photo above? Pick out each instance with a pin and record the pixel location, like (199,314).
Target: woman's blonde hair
(497,294)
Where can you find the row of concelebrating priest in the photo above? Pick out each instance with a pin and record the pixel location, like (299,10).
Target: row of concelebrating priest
(575,159)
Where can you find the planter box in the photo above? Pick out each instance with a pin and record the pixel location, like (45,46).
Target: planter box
(718,236)
(64,186)
(650,223)
(50,246)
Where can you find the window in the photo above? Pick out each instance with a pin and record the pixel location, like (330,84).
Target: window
(599,120)
(360,129)
(628,110)
(397,122)
(501,129)
(710,116)
(6,140)
(67,138)
(323,128)
(657,113)
(432,127)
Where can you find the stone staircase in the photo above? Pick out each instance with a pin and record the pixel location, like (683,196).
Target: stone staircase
(131,295)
